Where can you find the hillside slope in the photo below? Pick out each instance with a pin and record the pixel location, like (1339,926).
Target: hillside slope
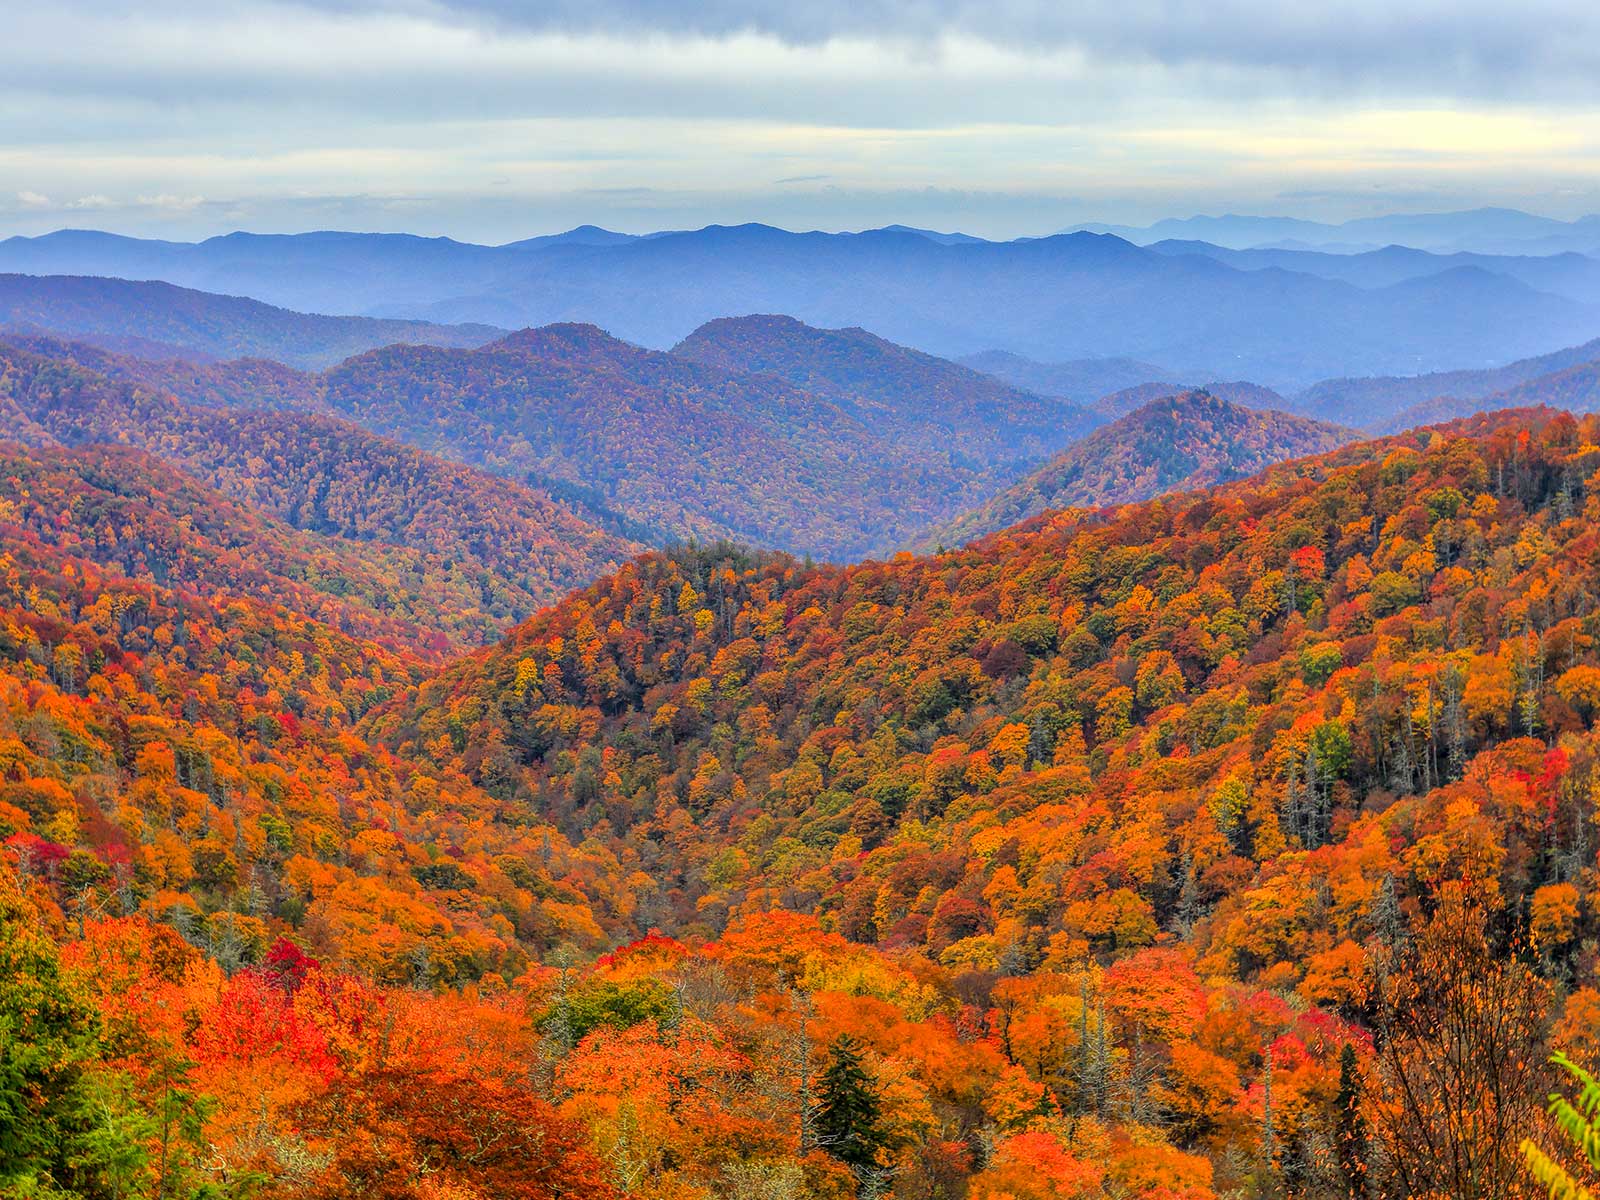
(929,403)
(139,518)
(1240,392)
(1063,854)
(1172,444)
(488,551)
(1378,402)
(1048,672)
(152,319)
(649,446)
(1328,725)
(171,707)
(686,449)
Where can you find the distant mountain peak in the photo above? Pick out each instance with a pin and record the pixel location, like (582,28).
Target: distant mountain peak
(566,339)
(1184,440)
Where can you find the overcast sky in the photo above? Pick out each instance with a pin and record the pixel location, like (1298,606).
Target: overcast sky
(491,120)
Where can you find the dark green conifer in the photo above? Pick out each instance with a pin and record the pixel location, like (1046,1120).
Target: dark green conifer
(849,1110)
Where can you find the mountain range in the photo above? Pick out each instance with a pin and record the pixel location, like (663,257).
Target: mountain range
(714,441)
(1378,404)
(1482,231)
(1054,299)
(835,442)
(1570,275)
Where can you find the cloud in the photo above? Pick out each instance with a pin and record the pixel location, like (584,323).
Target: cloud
(379,112)
(1438,50)
(1459,47)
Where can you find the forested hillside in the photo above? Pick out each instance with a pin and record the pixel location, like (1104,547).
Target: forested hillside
(234,383)
(1268,757)
(1174,443)
(1239,392)
(486,551)
(648,446)
(1170,851)
(157,320)
(685,449)
(919,400)
(1376,403)
(136,516)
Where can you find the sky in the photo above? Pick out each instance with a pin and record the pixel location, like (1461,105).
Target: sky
(491,120)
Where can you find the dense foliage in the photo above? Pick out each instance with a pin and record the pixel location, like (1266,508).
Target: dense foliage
(921,401)
(473,552)
(1564,1173)
(255,382)
(1265,732)
(1238,843)
(1170,444)
(690,450)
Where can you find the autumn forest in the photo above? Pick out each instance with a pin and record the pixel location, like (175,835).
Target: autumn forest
(788,766)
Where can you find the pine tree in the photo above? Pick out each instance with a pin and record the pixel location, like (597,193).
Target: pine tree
(51,1138)
(1350,1125)
(848,1116)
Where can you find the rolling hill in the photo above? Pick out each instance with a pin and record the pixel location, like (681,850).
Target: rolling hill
(481,550)
(142,520)
(158,320)
(1171,444)
(1374,402)
(1081,381)
(928,403)
(233,383)
(679,447)
(659,447)
(1240,392)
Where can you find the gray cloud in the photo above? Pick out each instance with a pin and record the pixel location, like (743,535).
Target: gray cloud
(486,119)
(1451,46)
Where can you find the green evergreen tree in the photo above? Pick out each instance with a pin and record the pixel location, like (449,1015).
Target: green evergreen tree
(849,1110)
(1350,1127)
(48,1035)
